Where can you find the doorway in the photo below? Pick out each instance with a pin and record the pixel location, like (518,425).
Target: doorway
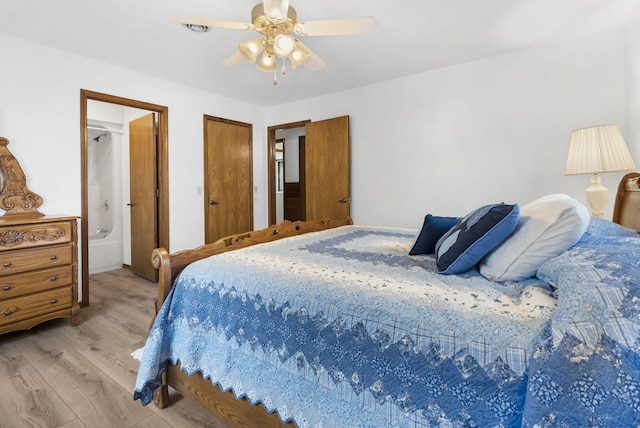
(282,150)
(290,175)
(324,169)
(161,164)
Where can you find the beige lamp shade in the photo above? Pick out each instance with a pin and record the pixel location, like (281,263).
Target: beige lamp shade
(598,149)
(593,150)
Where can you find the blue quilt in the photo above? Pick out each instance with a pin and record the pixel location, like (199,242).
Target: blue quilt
(343,328)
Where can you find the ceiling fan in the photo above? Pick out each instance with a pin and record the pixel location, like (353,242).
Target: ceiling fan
(276,22)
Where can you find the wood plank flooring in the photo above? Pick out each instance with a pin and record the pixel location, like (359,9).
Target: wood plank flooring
(56,375)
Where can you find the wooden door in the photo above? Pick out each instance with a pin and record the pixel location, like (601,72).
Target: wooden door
(327,190)
(143,201)
(228,178)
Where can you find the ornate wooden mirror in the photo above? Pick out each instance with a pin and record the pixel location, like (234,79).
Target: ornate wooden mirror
(15,198)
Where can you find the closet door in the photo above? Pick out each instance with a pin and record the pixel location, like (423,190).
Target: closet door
(228,178)
(327,164)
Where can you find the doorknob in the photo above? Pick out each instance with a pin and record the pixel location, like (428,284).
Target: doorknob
(345,200)
(212,202)
(130,204)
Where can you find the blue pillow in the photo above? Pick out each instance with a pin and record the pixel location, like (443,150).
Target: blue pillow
(432,230)
(479,232)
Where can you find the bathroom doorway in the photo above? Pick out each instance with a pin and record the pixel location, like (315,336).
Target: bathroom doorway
(88,223)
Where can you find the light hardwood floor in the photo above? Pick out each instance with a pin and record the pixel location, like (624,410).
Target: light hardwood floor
(56,375)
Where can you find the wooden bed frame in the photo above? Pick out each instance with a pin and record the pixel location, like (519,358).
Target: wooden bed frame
(626,210)
(222,405)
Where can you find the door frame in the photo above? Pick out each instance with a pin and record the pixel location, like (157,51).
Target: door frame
(162,169)
(271,162)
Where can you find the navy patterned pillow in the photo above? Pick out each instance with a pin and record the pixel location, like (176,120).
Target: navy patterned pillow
(432,230)
(479,232)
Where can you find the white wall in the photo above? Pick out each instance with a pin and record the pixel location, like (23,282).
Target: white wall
(40,115)
(497,129)
(632,47)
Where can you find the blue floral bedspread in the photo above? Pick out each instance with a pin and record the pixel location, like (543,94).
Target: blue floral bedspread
(343,328)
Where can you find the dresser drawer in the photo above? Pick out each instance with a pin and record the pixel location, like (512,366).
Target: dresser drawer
(13,262)
(31,282)
(32,305)
(18,236)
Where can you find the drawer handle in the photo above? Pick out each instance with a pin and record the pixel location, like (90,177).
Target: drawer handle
(7,264)
(7,313)
(53,278)
(54,257)
(54,301)
(6,288)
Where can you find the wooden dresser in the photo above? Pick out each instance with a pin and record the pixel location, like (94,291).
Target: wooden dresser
(38,271)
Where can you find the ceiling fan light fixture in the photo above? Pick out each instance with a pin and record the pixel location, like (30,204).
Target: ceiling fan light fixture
(267,62)
(251,49)
(284,45)
(277,23)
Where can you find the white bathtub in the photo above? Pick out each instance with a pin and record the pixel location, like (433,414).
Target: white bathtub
(105,252)
(105,229)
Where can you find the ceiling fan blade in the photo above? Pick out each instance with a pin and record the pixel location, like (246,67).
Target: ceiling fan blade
(313,62)
(234,59)
(193,20)
(337,27)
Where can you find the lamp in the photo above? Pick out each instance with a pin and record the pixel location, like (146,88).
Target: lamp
(267,62)
(299,55)
(251,49)
(593,150)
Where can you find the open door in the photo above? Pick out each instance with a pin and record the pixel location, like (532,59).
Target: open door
(327,165)
(143,201)
(228,178)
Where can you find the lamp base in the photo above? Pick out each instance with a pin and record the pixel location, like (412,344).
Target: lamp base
(597,196)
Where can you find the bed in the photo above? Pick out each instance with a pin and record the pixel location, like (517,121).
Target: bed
(339,325)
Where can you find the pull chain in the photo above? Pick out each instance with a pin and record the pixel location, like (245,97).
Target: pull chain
(283,70)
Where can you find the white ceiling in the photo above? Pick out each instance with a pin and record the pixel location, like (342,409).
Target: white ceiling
(413,36)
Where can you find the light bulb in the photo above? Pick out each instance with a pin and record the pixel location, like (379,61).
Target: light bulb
(283,45)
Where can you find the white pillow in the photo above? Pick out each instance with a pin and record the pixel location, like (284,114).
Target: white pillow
(547,227)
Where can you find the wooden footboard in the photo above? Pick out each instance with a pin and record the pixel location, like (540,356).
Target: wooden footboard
(223,405)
